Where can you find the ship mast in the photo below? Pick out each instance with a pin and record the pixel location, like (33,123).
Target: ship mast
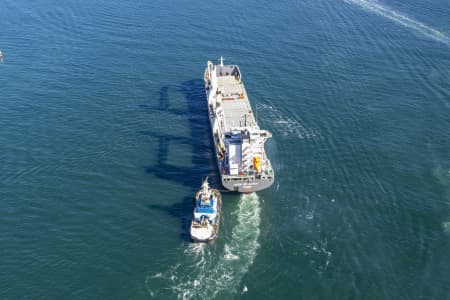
(205,189)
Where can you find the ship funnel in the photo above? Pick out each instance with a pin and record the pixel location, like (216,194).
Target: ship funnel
(221,61)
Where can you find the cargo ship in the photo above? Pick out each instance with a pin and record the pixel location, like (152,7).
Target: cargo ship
(238,141)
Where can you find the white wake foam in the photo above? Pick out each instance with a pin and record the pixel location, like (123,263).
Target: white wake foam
(284,123)
(209,273)
(446,226)
(443,177)
(402,19)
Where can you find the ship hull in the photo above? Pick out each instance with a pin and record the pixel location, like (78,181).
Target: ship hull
(241,185)
(248,186)
(238,141)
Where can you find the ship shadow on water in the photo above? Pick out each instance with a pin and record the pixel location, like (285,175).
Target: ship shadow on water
(199,141)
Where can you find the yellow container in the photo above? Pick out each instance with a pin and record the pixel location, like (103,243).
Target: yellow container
(256,163)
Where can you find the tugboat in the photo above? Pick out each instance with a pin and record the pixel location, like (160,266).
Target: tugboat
(206,216)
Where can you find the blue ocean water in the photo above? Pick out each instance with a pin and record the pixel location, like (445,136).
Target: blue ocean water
(104,140)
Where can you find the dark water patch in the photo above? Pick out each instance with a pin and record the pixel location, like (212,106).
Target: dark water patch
(202,160)
(198,144)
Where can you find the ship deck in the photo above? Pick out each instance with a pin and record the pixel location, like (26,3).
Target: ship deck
(236,106)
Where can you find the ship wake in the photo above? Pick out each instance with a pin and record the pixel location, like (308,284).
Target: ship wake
(402,19)
(209,271)
(286,124)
